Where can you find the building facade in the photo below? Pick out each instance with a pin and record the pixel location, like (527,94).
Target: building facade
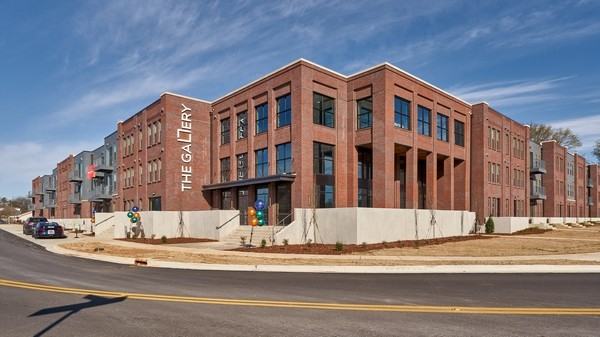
(499,162)
(163,156)
(305,136)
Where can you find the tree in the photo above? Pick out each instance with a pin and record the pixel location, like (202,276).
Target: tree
(596,151)
(563,136)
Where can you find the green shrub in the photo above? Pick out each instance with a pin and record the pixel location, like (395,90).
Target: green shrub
(263,243)
(309,242)
(163,239)
(339,246)
(364,245)
(489,226)
(286,242)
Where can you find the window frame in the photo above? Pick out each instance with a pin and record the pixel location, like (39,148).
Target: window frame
(401,116)
(225,131)
(261,166)
(421,123)
(364,110)
(286,161)
(262,116)
(321,114)
(287,112)
(442,128)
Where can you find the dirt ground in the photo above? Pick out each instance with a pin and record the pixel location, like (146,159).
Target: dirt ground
(567,241)
(168,241)
(179,256)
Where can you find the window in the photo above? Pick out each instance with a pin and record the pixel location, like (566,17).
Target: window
(401,113)
(284,110)
(153,134)
(154,204)
(149,132)
(158,131)
(365,112)
(365,178)
(242,166)
(459,133)
(262,118)
(284,158)
(323,110)
(226,199)
(225,131)
(242,125)
(225,169)
(442,127)
(323,167)
(424,121)
(262,163)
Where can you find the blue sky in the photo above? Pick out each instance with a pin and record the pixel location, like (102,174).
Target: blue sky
(71,69)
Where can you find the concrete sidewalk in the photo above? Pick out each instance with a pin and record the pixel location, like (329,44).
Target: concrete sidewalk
(54,246)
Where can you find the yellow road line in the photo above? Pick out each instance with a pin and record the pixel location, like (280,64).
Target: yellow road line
(310,305)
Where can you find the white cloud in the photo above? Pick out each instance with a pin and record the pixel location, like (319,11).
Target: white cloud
(585,127)
(21,162)
(511,93)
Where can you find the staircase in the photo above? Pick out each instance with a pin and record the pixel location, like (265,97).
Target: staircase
(260,232)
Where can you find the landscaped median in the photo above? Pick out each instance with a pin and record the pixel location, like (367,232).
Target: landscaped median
(560,247)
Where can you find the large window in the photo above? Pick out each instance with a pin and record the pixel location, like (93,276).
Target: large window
(225,131)
(442,127)
(242,125)
(154,204)
(262,163)
(459,133)
(323,167)
(225,169)
(323,110)
(284,158)
(242,166)
(284,110)
(365,178)
(401,113)
(364,112)
(424,121)
(226,199)
(262,118)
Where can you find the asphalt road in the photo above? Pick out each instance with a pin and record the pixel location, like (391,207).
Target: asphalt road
(43,294)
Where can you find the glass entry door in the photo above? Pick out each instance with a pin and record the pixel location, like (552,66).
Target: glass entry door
(284,204)
(242,203)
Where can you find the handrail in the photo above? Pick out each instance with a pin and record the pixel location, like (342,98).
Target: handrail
(228,221)
(273,232)
(105,220)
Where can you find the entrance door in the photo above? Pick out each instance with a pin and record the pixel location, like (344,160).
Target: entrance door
(242,202)
(284,204)
(262,193)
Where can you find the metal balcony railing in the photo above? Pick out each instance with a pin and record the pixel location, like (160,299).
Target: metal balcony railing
(104,168)
(538,166)
(590,201)
(537,192)
(102,193)
(75,198)
(590,183)
(75,176)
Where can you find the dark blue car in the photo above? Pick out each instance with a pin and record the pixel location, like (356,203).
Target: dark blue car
(48,230)
(29,225)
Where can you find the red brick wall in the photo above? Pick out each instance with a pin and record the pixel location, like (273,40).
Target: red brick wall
(64,188)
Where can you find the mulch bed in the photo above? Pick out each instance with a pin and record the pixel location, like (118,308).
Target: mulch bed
(169,241)
(527,231)
(330,249)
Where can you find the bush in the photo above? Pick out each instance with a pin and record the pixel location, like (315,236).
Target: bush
(489,226)
(309,242)
(339,246)
(263,243)
(243,241)
(163,239)
(286,242)
(364,245)
(383,243)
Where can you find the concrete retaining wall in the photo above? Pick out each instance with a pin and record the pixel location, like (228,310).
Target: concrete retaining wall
(198,224)
(373,225)
(507,225)
(85,223)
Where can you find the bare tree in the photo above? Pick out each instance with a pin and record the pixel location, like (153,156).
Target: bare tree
(563,136)
(596,151)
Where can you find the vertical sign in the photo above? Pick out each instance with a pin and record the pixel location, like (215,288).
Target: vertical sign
(184,137)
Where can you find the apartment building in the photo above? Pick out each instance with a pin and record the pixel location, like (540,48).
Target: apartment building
(499,164)
(163,156)
(594,192)
(537,172)
(64,189)
(305,136)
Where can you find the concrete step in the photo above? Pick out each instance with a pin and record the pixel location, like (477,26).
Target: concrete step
(258,234)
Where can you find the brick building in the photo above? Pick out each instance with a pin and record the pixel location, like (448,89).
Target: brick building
(305,136)
(499,164)
(163,156)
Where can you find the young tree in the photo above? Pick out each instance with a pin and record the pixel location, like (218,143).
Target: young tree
(563,136)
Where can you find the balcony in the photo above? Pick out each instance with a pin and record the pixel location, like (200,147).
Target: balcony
(104,168)
(99,175)
(75,177)
(101,194)
(75,198)
(590,183)
(537,192)
(590,201)
(538,167)
(51,188)
(38,191)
